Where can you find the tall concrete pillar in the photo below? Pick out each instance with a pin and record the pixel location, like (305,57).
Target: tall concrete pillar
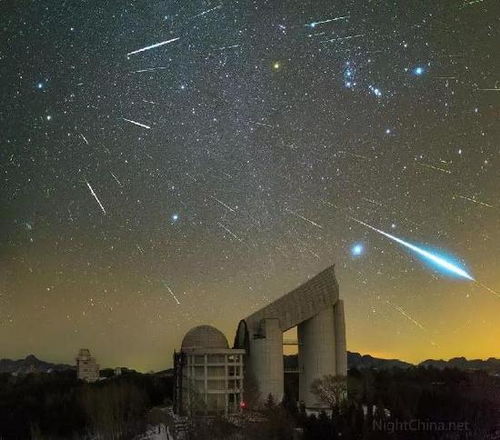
(340,339)
(317,354)
(266,358)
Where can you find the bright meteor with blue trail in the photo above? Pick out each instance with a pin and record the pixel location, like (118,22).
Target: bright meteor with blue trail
(440,262)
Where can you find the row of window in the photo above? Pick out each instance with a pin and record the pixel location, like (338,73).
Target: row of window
(217,385)
(215,358)
(199,372)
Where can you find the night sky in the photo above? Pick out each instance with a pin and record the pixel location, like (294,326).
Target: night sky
(196,181)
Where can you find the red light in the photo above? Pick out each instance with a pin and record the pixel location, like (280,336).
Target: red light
(243,405)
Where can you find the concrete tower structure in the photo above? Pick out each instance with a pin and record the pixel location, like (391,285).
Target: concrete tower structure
(87,368)
(318,313)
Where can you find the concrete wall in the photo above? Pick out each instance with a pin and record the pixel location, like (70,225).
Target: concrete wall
(340,339)
(317,353)
(315,308)
(302,303)
(265,359)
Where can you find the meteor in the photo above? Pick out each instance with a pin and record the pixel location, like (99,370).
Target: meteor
(95,196)
(117,181)
(433,167)
(223,204)
(150,69)
(137,123)
(206,12)
(470,199)
(328,20)
(232,234)
(304,218)
(171,292)
(348,37)
(153,46)
(428,256)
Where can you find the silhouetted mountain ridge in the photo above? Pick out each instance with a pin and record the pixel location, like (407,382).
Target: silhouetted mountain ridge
(359,361)
(491,365)
(30,364)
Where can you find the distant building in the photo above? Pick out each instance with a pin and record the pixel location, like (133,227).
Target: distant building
(208,374)
(87,368)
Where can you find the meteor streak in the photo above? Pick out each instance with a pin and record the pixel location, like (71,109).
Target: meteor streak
(153,46)
(150,69)
(223,204)
(206,12)
(470,199)
(170,291)
(406,315)
(304,218)
(432,167)
(229,47)
(116,179)
(84,138)
(137,123)
(348,37)
(328,20)
(437,260)
(95,196)
(232,234)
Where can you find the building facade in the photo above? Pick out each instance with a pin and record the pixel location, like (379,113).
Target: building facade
(208,374)
(315,309)
(87,368)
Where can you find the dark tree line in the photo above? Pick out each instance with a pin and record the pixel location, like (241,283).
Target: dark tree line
(415,403)
(58,406)
(380,399)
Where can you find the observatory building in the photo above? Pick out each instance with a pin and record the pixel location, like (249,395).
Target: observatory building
(318,313)
(209,375)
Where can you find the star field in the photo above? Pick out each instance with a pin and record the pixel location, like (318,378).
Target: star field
(169,164)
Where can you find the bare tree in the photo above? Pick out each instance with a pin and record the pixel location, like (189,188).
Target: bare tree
(331,390)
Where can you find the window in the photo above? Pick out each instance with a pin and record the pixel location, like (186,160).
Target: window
(216,358)
(216,371)
(216,385)
(199,372)
(234,370)
(234,384)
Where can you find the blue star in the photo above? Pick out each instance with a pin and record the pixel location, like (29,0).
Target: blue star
(375,90)
(357,250)
(40,85)
(418,71)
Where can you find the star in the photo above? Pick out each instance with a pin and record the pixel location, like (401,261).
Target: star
(357,250)
(418,71)
(375,90)
(175,217)
(276,65)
